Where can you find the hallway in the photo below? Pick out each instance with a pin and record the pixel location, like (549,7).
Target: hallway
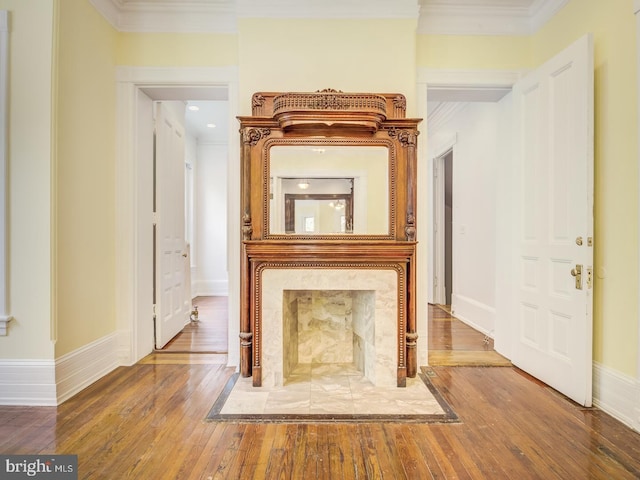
(454,343)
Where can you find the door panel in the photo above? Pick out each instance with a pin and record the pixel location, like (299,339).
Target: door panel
(172,310)
(553,210)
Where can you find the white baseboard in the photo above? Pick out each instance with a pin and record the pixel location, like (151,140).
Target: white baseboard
(210,288)
(465,309)
(51,382)
(80,368)
(28,382)
(617,394)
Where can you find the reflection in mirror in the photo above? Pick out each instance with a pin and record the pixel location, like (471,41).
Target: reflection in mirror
(314,212)
(328,190)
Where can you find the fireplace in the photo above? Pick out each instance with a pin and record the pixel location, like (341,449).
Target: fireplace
(340,317)
(360,258)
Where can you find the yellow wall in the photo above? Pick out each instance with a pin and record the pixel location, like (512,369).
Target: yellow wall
(177,50)
(85,177)
(30,139)
(307,55)
(616,167)
(468,52)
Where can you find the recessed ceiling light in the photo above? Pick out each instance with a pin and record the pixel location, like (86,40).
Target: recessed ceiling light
(194,108)
(211,125)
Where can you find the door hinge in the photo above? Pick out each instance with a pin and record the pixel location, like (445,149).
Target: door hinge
(154,218)
(154,310)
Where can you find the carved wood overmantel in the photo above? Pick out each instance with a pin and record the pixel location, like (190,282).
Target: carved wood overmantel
(363,137)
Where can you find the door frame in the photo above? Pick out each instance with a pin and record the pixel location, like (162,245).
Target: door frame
(466,84)
(438,224)
(134,270)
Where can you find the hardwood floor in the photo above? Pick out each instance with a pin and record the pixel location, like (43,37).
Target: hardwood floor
(147,421)
(454,343)
(208,334)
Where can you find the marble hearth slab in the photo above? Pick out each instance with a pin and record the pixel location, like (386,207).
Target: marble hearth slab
(319,395)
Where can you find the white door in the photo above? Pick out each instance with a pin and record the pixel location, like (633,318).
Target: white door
(172,304)
(553,219)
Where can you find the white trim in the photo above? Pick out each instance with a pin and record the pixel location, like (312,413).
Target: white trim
(28,382)
(199,16)
(474,313)
(469,79)
(437,209)
(487,19)
(145,77)
(179,17)
(4,325)
(617,394)
(446,144)
(636,6)
(5,317)
(82,367)
(132,235)
(544,10)
(423,233)
(328,9)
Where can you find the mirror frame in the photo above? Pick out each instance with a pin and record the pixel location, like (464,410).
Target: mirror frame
(327,142)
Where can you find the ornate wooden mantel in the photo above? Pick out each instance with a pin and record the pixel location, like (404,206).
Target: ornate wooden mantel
(327,118)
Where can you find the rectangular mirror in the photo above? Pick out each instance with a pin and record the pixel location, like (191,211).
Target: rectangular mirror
(329,190)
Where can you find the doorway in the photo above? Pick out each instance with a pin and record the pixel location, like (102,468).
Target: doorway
(134,269)
(193,200)
(443,219)
(463,139)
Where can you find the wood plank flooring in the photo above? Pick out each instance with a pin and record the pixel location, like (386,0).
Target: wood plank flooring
(209,334)
(147,421)
(454,343)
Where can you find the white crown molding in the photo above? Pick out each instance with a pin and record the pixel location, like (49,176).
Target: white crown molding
(543,10)
(450,19)
(636,6)
(169,16)
(328,9)
(434,17)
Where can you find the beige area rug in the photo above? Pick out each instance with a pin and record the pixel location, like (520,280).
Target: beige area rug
(322,396)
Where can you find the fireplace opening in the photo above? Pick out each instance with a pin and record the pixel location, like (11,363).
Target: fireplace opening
(329,327)
(362,302)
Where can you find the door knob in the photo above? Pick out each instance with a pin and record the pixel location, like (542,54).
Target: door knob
(577,273)
(184,255)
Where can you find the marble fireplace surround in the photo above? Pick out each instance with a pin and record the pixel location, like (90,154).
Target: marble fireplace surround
(379,285)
